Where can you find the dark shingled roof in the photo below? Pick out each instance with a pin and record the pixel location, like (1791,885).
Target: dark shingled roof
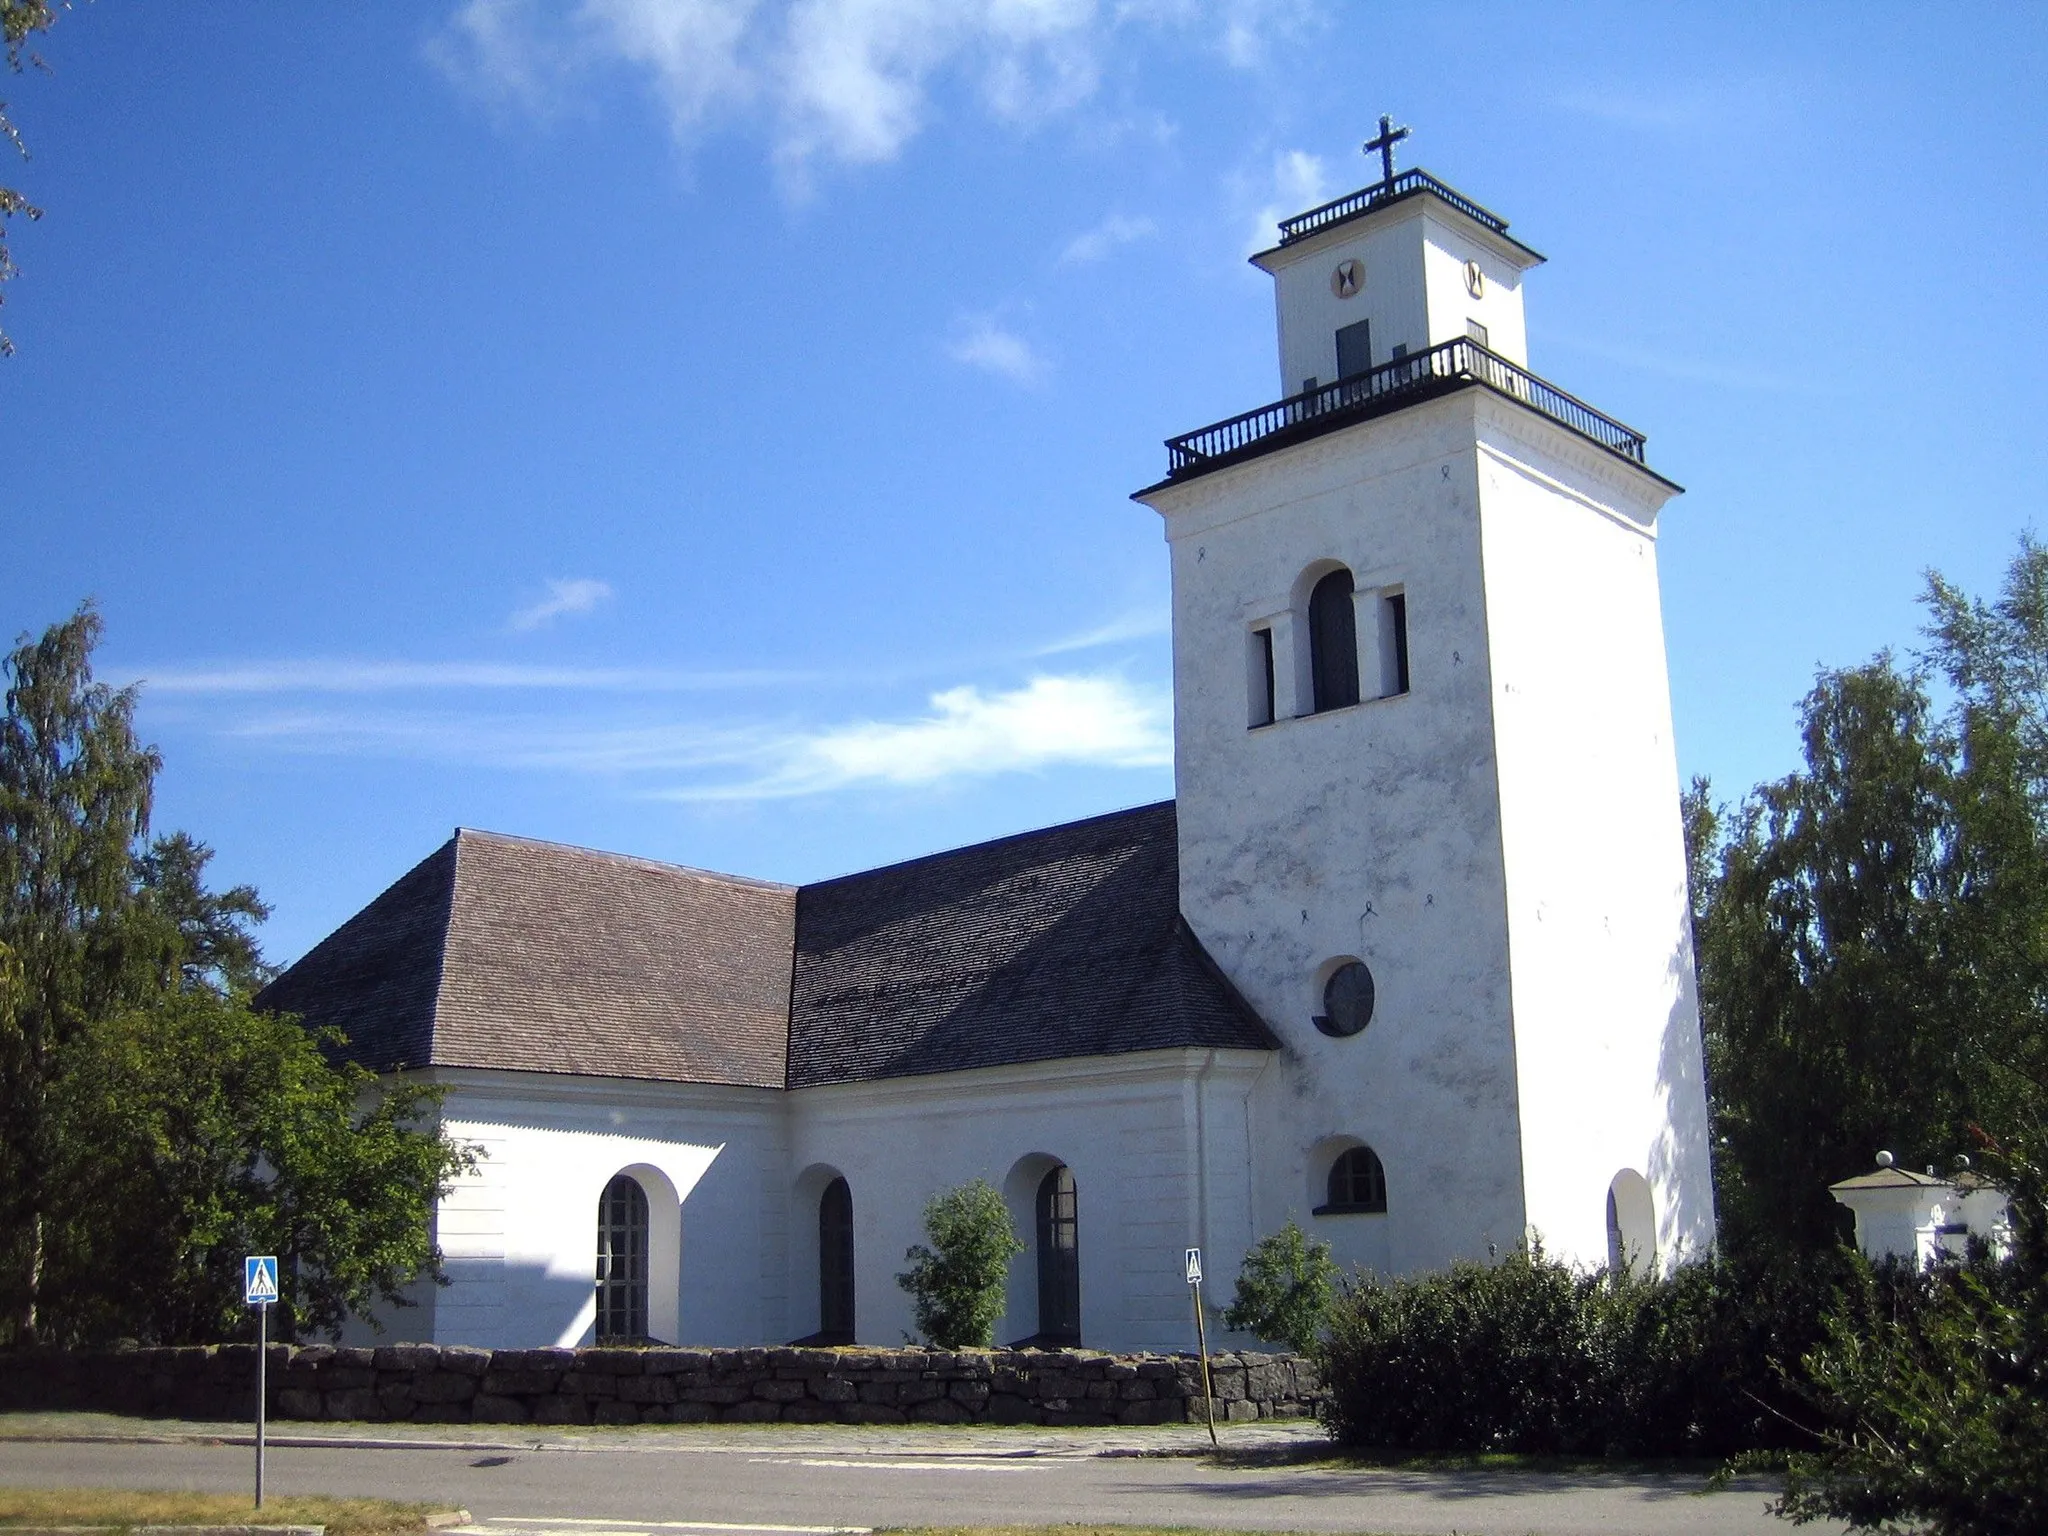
(498,952)
(1065,942)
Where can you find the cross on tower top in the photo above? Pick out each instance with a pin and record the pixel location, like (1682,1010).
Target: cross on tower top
(1384,146)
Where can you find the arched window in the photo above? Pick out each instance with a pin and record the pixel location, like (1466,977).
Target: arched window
(1358,1184)
(835,1264)
(622,1260)
(1333,642)
(1059,1259)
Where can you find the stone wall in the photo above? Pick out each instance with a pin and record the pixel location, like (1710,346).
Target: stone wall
(451,1384)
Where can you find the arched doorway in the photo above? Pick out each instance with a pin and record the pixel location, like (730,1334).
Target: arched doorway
(1059,1258)
(835,1264)
(622,1244)
(1631,1224)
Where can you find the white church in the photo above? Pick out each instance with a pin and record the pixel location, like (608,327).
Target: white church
(1406,959)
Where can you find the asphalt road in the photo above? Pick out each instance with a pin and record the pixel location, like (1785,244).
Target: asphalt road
(611,1491)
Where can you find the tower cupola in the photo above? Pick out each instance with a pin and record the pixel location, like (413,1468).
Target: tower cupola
(1388,272)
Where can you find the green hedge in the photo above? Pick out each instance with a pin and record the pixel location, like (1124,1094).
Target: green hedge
(1528,1355)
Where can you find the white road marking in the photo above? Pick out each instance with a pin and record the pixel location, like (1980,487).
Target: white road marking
(542,1527)
(951,1464)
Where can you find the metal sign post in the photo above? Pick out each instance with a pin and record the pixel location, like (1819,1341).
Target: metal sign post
(259,1290)
(1202,1337)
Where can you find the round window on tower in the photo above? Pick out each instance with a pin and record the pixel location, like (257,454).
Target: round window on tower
(1347,1000)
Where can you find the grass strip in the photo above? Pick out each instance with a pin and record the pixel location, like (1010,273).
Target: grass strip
(123,1507)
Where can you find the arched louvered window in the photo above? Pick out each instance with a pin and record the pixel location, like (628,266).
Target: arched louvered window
(1358,1184)
(835,1264)
(1059,1259)
(622,1260)
(1333,642)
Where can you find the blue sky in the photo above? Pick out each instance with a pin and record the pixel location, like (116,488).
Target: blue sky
(704,429)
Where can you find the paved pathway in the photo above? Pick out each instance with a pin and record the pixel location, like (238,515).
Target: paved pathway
(782,1480)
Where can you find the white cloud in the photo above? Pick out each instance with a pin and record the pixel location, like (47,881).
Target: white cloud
(1081,720)
(985,344)
(1300,181)
(1111,234)
(1141,624)
(1101,721)
(833,80)
(574,595)
(346,676)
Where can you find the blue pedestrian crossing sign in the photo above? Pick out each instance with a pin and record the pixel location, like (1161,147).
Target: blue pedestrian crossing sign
(259,1280)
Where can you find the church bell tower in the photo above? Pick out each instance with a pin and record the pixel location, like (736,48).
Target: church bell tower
(1427,793)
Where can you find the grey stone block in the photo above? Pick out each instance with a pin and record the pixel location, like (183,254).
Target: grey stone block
(834,1389)
(465,1359)
(444,1387)
(647,1389)
(353,1403)
(613,1411)
(561,1410)
(716,1393)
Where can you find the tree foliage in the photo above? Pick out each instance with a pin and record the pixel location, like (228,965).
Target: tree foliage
(1873,943)
(20,20)
(957,1284)
(1872,931)
(156,1126)
(1284,1290)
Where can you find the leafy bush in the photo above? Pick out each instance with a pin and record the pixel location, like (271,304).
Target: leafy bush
(1529,1355)
(956,1285)
(1284,1290)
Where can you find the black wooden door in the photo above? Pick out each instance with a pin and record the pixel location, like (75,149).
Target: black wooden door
(1354,350)
(1059,1259)
(835,1264)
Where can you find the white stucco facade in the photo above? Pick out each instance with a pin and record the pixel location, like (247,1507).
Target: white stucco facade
(1158,1144)
(1491,830)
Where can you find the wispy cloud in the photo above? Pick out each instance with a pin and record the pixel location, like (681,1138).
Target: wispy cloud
(346,676)
(1100,721)
(1077,720)
(575,595)
(1699,109)
(1299,181)
(829,80)
(1104,239)
(1142,624)
(984,343)
(1727,375)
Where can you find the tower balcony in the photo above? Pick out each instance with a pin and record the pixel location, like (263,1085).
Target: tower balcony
(1371,199)
(1406,381)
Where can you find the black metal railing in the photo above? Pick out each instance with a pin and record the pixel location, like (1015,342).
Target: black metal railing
(1407,183)
(1453,365)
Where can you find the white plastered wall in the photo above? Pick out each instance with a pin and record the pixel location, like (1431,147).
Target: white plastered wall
(519,1234)
(1369,831)
(1158,1143)
(1606,1016)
